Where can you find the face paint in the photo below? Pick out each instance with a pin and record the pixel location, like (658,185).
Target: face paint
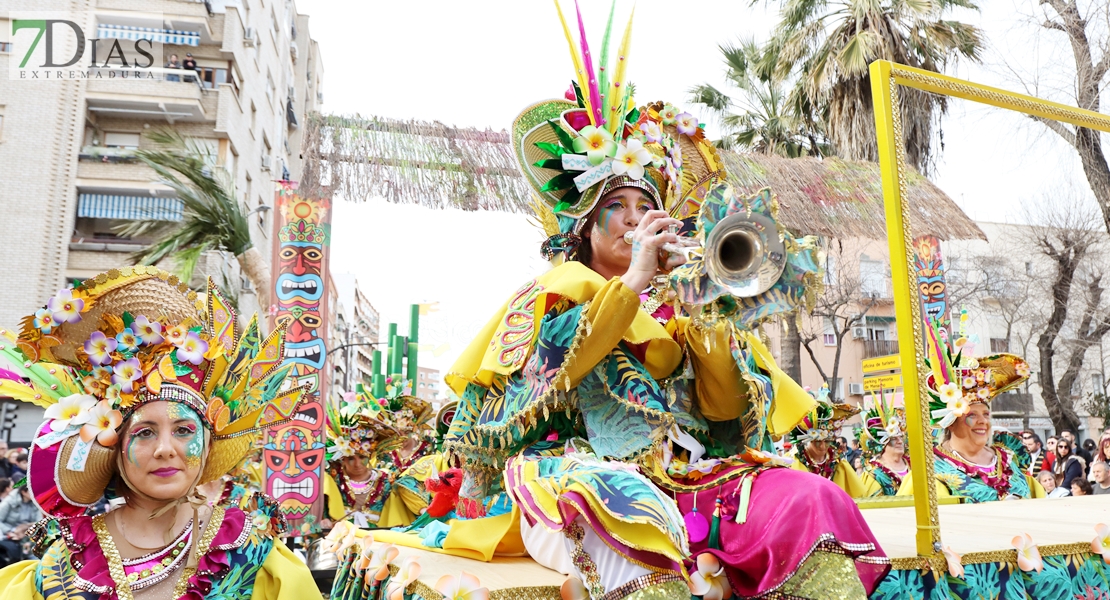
(194,446)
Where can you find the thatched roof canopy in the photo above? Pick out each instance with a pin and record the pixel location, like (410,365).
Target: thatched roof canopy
(432,164)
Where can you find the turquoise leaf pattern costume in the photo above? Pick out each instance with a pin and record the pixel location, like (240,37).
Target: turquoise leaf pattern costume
(977,488)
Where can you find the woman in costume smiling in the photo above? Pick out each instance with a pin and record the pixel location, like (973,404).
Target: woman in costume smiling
(815,451)
(635,440)
(883,440)
(149,392)
(971,462)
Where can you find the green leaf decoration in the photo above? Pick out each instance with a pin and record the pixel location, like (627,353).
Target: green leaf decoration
(564,137)
(559,182)
(560,207)
(578,94)
(633,116)
(549,163)
(552,149)
(179,368)
(128,320)
(22,482)
(572,196)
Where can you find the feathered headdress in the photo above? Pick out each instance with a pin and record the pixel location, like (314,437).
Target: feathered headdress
(823,423)
(574,151)
(882,422)
(955,381)
(368,426)
(97,352)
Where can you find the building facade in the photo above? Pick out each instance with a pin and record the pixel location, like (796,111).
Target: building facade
(65,145)
(428,385)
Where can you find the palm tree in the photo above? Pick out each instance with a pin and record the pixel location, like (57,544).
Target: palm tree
(767,120)
(211,217)
(829,45)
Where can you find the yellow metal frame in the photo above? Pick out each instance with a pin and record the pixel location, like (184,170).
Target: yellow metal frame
(886,79)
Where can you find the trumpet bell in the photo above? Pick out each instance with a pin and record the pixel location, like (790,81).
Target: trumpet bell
(745,254)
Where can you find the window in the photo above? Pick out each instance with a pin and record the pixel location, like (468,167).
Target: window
(1076,388)
(1,123)
(1097,384)
(121,140)
(876,334)
(829,339)
(836,386)
(1000,345)
(830,264)
(254,117)
(247,190)
(872,279)
(1028,268)
(271,89)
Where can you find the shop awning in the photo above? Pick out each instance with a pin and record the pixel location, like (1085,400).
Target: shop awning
(130,208)
(161,36)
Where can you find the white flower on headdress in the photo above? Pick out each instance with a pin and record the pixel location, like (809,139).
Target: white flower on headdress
(949,392)
(150,332)
(893,429)
(597,143)
(969,382)
(71,409)
(341,447)
(630,159)
(65,308)
(651,131)
(668,114)
(686,124)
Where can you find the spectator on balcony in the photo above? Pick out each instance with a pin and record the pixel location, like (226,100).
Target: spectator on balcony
(1100,472)
(1048,482)
(172,63)
(1081,487)
(1032,443)
(1068,465)
(190,67)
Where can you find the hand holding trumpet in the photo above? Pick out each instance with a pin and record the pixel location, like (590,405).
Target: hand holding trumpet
(655,231)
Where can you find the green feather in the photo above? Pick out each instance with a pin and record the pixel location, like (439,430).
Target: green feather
(603,76)
(578,94)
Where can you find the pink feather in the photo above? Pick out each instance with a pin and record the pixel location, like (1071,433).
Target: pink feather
(595,93)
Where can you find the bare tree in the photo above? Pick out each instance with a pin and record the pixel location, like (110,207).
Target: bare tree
(1086,32)
(1078,318)
(842,306)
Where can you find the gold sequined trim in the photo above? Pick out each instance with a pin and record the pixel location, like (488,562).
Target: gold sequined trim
(527,593)
(645,583)
(823,575)
(203,545)
(671,590)
(938,562)
(115,562)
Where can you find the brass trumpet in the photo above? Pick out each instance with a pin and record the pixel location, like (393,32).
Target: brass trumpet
(744,253)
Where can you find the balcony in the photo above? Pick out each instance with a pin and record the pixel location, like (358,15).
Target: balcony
(175,95)
(1014,402)
(873,348)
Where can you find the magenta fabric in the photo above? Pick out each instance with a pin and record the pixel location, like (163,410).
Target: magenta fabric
(789,514)
(41,463)
(85,550)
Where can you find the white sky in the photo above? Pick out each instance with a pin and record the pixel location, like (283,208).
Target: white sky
(479,63)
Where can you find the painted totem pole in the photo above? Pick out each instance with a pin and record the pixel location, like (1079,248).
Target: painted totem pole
(294,452)
(929,265)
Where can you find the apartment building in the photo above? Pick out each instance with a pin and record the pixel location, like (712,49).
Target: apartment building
(357,328)
(428,385)
(65,146)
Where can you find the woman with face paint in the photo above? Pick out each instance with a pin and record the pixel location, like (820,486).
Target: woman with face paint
(883,440)
(632,438)
(151,393)
(971,461)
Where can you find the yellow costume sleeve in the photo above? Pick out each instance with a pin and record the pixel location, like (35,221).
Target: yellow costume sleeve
(18,580)
(336,509)
(395,513)
(722,391)
(283,576)
(870,486)
(609,314)
(906,489)
(845,477)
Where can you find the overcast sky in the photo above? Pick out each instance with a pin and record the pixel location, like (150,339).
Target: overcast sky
(479,63)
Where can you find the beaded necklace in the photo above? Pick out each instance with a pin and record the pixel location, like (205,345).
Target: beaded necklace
(997,478)
(825,469)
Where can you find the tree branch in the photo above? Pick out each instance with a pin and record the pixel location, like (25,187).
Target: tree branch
(1058,128)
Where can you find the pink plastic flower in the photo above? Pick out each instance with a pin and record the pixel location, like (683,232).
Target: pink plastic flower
(1028,555)
(125,374)
(66,308)
(69,410)
(1101,544)
(710,581)
(44,320)
(464,587)
(127,341)
(407,573)
(150,332)
(99,348)
(101,424)
(955,562)
(192,349)
(686,124)
(651,131)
